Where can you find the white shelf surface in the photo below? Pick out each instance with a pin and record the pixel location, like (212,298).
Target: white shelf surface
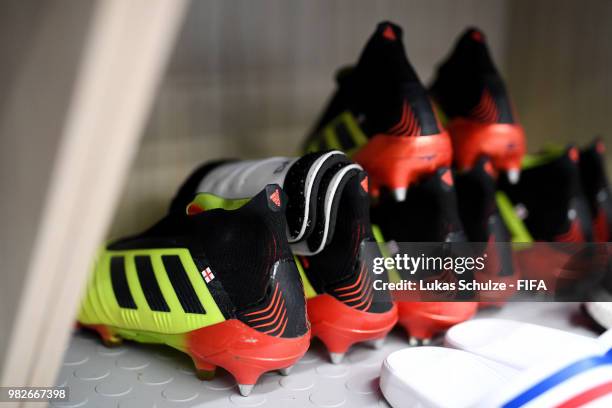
(136,375)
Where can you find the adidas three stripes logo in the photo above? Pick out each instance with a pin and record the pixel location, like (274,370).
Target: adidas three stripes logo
(177,275)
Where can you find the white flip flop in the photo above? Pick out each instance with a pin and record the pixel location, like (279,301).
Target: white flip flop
(601,312)
(519,345)
(437,377)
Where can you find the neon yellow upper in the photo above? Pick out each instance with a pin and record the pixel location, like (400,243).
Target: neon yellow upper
(330,140)
(100,306)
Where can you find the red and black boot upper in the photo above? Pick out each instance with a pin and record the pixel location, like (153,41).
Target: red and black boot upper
(597,190)
(550,199)
(391,107)
(481,121)
(484,226)
(381,87)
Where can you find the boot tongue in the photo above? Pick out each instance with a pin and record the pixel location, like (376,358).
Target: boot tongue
(384,56)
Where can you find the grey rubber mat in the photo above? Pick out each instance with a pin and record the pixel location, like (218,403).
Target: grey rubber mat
(136,375)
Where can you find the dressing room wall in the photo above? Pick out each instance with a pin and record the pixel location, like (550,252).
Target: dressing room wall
(248,79)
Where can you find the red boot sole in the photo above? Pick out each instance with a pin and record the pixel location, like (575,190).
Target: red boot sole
(340,326)
(397,162)
(424,320)
(503,143)
(241,350)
